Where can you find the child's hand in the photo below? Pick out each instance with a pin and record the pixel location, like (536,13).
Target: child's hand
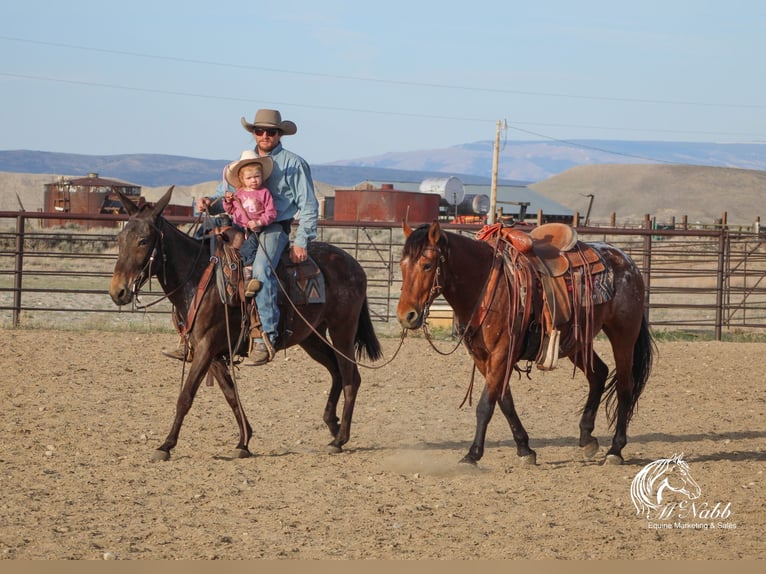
(228,197)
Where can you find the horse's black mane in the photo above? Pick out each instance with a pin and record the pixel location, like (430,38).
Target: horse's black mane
(418,241)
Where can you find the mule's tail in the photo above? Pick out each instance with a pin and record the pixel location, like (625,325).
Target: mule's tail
(366,341)
(643,357)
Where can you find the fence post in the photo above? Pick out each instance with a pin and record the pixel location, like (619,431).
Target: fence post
(647,263)
(723,243)
(18,270)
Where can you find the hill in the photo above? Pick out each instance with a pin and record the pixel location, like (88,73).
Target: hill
(699,192)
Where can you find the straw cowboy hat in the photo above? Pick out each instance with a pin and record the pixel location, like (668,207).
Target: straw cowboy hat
(248,157)
(270,119)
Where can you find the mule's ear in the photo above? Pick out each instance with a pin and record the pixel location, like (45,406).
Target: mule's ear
(130,207)
(434,233)
(163,202)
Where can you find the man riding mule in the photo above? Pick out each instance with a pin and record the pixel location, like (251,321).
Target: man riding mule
(198,282)
(292,189)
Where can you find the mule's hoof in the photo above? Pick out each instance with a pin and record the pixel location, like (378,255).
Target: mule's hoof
(615,459)
(529,459)
(590,449)
(241,453)
(333,449)
(160,456)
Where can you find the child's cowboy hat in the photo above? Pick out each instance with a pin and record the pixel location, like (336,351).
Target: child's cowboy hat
(270,119)
(248,157)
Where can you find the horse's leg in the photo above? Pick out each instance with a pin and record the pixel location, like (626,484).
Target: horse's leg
(484,411)
(528,456)
(324,355)
(623,360)
(197,370)
(596,381)
(220,371)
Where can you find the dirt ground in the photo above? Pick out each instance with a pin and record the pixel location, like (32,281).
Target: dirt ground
(83,411)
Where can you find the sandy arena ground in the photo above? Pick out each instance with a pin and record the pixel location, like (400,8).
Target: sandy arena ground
(83,411)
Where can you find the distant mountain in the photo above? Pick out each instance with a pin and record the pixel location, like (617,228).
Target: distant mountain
(520,162)
(153,170)
(534,161)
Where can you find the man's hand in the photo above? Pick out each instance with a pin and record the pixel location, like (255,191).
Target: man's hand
(203,203)
(298,254)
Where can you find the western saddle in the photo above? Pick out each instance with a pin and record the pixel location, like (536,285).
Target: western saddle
(565,268)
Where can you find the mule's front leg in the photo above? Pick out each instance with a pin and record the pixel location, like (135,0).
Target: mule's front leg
(221,373)
(183,404)
(484,411)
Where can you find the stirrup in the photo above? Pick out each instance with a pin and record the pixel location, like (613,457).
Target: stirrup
(552,352)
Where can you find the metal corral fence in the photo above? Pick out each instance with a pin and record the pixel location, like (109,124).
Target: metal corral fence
(698,280)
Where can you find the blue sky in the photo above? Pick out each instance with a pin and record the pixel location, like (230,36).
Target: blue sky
(363,78)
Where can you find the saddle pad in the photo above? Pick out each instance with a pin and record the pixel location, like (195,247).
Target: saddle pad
(304,281)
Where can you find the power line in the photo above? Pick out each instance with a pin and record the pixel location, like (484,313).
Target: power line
(260,101)
(381,80)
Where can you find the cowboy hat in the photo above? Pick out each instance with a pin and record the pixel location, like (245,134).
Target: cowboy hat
(248,157)
(270,119)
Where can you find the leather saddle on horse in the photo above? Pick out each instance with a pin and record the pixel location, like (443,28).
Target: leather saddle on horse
(566,270)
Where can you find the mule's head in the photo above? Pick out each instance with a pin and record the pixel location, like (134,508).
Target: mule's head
(138,243)
(420,264)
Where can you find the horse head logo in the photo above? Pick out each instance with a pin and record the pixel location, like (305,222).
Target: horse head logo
(653,483)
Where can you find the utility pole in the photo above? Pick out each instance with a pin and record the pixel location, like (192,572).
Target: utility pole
(495,161)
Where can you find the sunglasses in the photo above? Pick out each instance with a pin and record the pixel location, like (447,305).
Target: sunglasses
(271,132)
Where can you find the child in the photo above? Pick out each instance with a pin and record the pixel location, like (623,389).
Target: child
(251,207)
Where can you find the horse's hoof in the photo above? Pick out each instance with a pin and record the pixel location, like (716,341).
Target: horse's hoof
(529,459)
(333,449)
(590,449)
(615,459)
(160,456)
(467,459)
(241,453)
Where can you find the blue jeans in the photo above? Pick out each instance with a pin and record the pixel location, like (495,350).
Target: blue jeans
(248,249)
(273,241)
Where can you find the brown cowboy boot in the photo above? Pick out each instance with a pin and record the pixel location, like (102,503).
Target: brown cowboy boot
(253,285)
(262,351)
(182,353)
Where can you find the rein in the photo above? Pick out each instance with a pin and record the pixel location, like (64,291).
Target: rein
(311,327)
(436,290)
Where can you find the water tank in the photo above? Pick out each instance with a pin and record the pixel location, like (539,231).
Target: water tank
(449,188)
(474,204)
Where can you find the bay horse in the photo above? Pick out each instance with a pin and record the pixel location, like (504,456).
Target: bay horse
(488,313)
(149,245)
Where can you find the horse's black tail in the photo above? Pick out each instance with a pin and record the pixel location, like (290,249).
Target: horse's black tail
(366,341)
(643,358)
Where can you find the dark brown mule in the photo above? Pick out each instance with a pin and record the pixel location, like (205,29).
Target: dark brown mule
(438,262)
(150,245)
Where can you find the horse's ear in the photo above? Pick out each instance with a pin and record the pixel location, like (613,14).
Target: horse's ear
(434,233)
(406,228)
(163,202)
(130,207)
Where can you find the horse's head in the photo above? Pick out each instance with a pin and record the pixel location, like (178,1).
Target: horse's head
(677,478)
(138,243)
(652,485)
(421,263)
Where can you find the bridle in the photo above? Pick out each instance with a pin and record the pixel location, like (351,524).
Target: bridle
(436,286)
(146,270)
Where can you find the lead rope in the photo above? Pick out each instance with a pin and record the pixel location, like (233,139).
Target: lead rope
(313,329)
